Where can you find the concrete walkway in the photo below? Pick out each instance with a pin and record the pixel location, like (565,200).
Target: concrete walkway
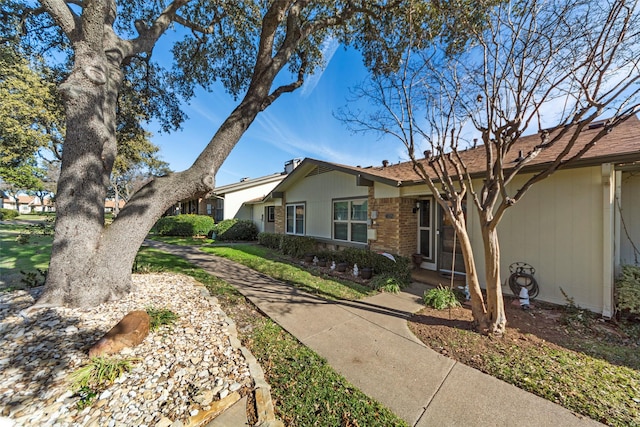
(369,343)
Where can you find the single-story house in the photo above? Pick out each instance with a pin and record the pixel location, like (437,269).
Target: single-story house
(241,200)
(576,228)
(110,205)
(28,204)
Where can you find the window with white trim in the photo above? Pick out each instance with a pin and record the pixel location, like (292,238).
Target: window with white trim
(295,219)
(350,220)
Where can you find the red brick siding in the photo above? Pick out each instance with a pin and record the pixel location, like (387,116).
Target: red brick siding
(396,224)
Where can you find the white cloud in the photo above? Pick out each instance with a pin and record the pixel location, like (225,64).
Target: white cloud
(328,48)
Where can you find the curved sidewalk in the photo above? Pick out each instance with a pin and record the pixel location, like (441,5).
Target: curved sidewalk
(369,343)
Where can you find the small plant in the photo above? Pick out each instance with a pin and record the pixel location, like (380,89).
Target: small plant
(87,396)
(628,290)
(574,315)
(23,238)
(440,298)
(387,283)
(33,279)
(97,375)
(8,214)
(160,317)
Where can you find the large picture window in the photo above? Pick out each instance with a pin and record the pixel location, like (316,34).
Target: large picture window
(350,220)
(295,219)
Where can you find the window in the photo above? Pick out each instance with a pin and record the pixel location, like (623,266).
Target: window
(219,215)
(295,219)
(350,220)
(271,213)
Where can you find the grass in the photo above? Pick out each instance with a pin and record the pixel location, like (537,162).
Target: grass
(15,257)
(579,382)
(183,241)
(159,317)
(601,382)
(305,389)
(153,260)
(89,380)
(256,257)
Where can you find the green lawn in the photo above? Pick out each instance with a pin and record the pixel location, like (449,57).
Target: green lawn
(32,254)
(184,241)
(256,257)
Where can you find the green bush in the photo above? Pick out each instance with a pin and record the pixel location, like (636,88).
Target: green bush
(440,298)
(271,240)
(8,214)
(184,225)
(298,246)
(628,290)
(236,229)
(295,246)
(386,283)
(398,269)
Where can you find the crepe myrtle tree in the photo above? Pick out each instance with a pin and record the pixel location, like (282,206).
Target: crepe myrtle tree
(245,45)
(545,67)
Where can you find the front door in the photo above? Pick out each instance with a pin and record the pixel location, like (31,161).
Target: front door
(426,233)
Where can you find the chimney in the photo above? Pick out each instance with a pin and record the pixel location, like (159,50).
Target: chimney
(385,163)
(290,165)
(427,154)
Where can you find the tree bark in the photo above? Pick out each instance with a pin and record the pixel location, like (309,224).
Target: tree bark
(495,317)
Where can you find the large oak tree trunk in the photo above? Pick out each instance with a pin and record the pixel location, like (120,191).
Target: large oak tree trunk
(90,263)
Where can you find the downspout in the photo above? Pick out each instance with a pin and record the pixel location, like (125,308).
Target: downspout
(608,238)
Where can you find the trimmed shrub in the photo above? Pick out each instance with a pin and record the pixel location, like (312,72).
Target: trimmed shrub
(287,244)
(271,240)
(398,269)
(8,214)
(236,229)
(298,246)
(184,225)
(628,290)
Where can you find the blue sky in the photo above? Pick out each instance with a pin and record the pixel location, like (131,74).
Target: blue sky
(297,125)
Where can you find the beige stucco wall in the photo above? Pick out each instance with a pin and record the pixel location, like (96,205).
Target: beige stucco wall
(233,200)
(317,192)
(630,212)
(557,228)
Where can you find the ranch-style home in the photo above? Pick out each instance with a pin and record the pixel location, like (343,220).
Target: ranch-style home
(239,200)
(576,228)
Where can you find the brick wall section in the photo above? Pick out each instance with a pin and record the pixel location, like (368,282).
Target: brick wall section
(396,225)
(279,220)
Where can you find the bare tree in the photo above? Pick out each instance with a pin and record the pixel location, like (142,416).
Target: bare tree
(532,63)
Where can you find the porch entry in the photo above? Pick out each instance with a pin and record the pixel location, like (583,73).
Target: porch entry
(436,239)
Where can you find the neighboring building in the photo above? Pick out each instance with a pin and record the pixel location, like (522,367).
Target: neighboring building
(576,227)
(28,204)
(110,205)
(240,200)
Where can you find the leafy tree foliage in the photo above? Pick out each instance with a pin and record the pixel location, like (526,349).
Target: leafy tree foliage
(257,50)
(29,110)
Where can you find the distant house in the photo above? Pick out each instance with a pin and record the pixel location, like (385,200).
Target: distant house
(110,205)
(576,228)
(241,200)
(28,204)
